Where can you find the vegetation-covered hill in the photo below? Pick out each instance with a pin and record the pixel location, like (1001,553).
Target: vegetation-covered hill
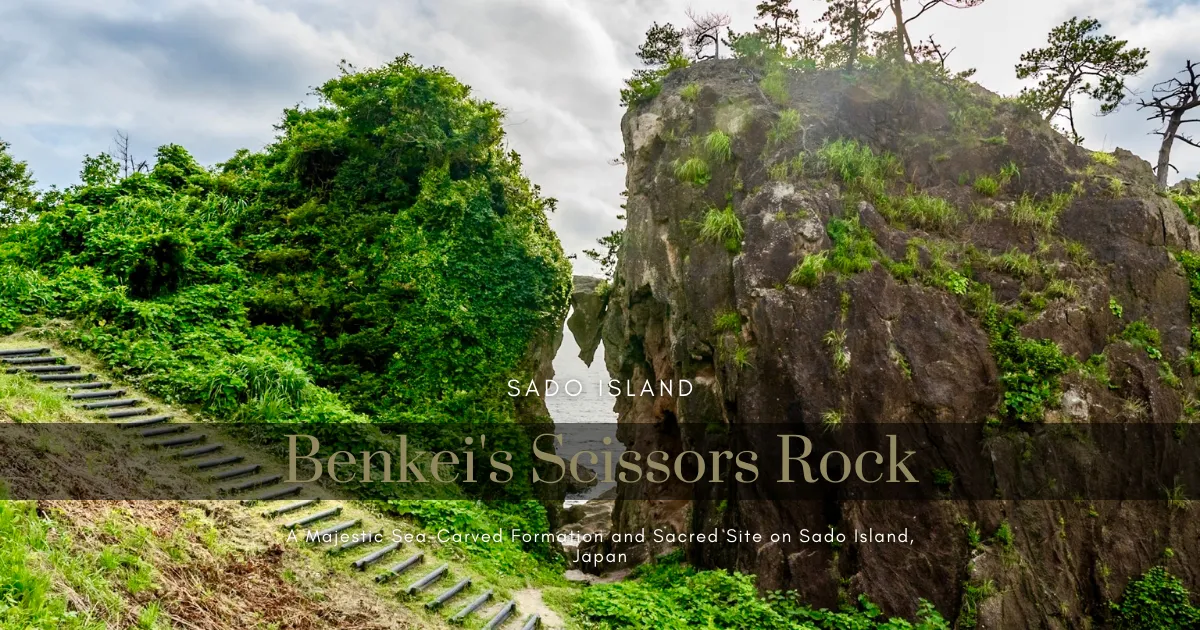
(385,248)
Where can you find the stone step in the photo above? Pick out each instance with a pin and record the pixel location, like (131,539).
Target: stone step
(17,352)
(400,567)
(291,507)
(63,378)
(502,615)
(532,623)
(92,385)
(199,450)
(126,413)
(97,393)
(336,529)
(427,579)
(363,539)
(251,484)
(31,360)
(108,404)
(362,563)
(313,518)
(179,441)
(448,594)
(274,493)
(145,422)
(43,369)
(475,604)
(217,462)
(167,430)
(240,471)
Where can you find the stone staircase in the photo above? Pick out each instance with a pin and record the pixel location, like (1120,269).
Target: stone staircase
(240,479)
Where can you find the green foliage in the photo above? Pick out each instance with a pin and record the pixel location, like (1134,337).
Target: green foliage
(693,171)
(661,53)
(1116,187)
(924,211)
(16,187)
(690,92)
(1106,159)
(974,593)
(774,85)
(727,321)
(1042,215)
(1004,536)
(810,270)
(1189,205)
(1155,601)
(384,256)
(943,478)
(1009,172)
(858,166)
(1115,308)
(668,595)
(854,248)
(986,186)
(785,126)
(723,226)
(1078,62)
(1030,369)
(717,146)
(1142,335)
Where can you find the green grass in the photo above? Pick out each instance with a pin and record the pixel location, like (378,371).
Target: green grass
(1116,187)
(774,86)
(857,165)
(1042,215)
(836,340)
(809,271)
(1009,172)
(987,186)
(693,171)
(690,92)
(785,126)
(24,400)
(999,140)
(854,249)
(727,321)
(718,146)
(722,226)
(778,172)
(924,211)
(1104,159)
(831,419)
(1015,262)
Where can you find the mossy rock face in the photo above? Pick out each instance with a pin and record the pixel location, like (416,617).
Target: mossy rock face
(946,295)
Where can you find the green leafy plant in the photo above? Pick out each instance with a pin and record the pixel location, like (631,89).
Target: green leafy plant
(836,340)
(924,211)
(1104,159)
(1156,600)
(727,321)
(986,186)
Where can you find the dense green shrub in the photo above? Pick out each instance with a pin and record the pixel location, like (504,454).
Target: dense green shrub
(1156,601)
(669,595)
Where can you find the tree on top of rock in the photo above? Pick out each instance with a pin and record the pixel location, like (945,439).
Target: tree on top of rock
(850,22)
(663,43)
(1171,101)
(704,32)
(904,43)
(1079,62)
(16,187)
(778,24)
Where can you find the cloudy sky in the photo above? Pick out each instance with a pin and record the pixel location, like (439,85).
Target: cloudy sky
(214,75)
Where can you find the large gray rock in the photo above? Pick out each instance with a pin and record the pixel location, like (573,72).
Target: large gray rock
(589,300)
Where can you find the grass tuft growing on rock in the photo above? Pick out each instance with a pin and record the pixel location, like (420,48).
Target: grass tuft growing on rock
(785,126)
(727,321)
(718,146)
(722,226)
(810,270)
(1039,214)
(1104,159)
(987,186)
(923,211)
(690,92)
(857,165)
(693,171)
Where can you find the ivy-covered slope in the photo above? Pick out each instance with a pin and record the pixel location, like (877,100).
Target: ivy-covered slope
(898,245)
(385,255)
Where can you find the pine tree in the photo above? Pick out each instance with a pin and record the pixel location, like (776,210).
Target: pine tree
(1078,62)
(850,22)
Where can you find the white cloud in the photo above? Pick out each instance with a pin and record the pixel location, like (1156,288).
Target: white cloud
(214,75)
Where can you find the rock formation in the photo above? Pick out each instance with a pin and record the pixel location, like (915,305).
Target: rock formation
(984,207)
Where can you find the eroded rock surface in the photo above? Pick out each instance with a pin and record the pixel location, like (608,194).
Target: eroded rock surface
(915,353)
